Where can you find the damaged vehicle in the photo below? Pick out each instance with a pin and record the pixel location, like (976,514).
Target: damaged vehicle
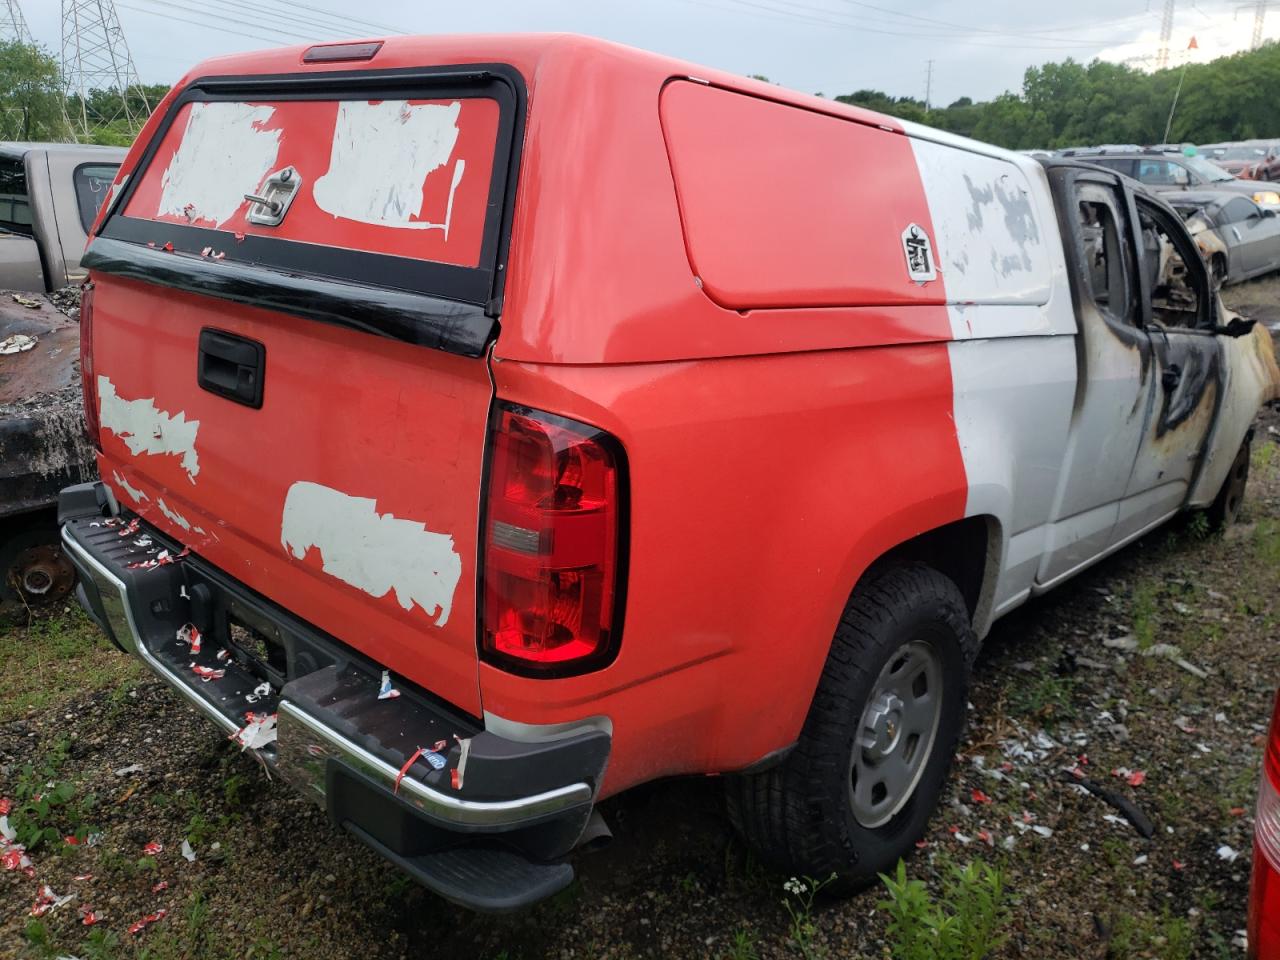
(43,447)
(1237,238)
(472,450)
(50,194)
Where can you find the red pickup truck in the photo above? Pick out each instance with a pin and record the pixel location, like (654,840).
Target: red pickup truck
(490,424)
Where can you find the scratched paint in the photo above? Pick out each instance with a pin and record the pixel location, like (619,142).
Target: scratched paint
(987,233)
(376,553)
(145,428)
(382,155)
(136,495)
(224,154)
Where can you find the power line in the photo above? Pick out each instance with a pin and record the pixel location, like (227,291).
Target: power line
(13,28)
(1166,33)
(167,5)
(861,27)
(95,56)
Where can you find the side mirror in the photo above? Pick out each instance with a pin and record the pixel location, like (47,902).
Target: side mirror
(1268,211)
(1181,178)
(1238,327)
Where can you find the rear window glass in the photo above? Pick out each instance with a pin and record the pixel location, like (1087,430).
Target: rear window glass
(407,178)
(92,183)
(15,207)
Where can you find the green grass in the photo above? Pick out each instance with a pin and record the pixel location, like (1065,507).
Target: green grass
(49,657)
(1145,619)
(1146,935)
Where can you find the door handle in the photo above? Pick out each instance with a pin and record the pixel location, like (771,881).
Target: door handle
(1171,376)
(231,366)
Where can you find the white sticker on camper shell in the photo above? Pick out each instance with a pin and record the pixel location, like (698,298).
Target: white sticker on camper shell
(224,154)
(374,552)
(382,155)
(145,428)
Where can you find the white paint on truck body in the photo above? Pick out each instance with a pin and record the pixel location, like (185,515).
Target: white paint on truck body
(224,154)
(136,495)
(374,552)
(145,428)
(382,155)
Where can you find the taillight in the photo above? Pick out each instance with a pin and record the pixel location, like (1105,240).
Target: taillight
(553,544)
(88,382)
(1264,890)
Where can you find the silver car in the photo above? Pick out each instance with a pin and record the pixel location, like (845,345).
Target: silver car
(1245,237)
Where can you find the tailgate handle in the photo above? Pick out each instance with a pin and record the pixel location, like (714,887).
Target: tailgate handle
(231,366)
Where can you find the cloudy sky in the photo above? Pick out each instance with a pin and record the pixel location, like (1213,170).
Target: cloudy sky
(978,48)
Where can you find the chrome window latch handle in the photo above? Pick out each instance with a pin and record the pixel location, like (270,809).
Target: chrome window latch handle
(268,208)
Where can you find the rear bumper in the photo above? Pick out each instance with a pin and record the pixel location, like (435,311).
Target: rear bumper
(485,828)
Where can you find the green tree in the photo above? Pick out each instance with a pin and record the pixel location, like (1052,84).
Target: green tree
(30,94)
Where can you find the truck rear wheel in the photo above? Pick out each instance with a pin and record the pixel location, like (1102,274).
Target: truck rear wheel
(856,792)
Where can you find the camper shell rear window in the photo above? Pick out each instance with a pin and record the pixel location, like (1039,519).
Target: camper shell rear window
(401,180)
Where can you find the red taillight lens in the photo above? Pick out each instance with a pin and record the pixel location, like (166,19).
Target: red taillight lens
(88,382)
(1264,890)
(553,544)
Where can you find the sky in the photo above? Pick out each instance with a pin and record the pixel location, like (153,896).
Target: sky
(977,49)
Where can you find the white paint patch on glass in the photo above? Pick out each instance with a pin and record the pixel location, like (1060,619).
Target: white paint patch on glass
(382,155)
(374,552)
(224,154)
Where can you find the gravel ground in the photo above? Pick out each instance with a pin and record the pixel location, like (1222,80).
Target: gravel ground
(1069,683)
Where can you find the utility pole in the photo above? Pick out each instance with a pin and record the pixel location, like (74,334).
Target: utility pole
(1259,19)
(13,29)
(95,56)
(928,88)
(1166,33)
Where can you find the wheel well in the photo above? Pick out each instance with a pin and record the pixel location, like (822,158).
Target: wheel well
(957,550)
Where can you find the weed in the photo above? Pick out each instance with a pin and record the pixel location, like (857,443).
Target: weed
(100,945)
(39,940)
(1266,542)
(1262,460)
(1165,936)
(1045,695)
(42,804)
(966,924)
(1198,529)
(236,790)
(1145,622)
(742,947)
(803,891)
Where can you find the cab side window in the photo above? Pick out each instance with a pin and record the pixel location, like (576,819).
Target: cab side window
(1174,272)
(1161,173)
(1237,211)
(1104,256)
(15,206)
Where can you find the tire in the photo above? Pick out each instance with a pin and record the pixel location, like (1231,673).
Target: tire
(800,815)
(1218,271)
(1226,505)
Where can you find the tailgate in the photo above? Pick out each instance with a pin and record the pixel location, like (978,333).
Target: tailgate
(297,387)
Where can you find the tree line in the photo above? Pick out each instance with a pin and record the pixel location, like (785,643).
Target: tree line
(1060,105)
(1071,104)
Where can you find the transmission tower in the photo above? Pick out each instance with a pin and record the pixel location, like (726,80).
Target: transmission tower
(1259,19)
(95,56)
(1166,33)
(13,29)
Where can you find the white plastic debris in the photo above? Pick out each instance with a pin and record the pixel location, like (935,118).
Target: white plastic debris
(386,691)
(1228,853)
(1140,861)
(17,343)
(1126,644)
(132,768)
(6,831)
(262,690)
(188,854)
(257,733)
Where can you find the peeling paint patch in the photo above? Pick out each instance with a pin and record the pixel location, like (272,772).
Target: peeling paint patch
(145,428)
(382,154)
(376,553)
(224,154)
(136,495)
(173,515)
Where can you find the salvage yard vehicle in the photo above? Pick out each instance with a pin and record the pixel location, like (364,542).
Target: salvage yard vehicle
(1167,172)
(43,447)
(1239,159)
(49,196)
(1238,239)
(1264,885)
(473,450)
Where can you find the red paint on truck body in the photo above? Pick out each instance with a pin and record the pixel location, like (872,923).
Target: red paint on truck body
(773,451)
